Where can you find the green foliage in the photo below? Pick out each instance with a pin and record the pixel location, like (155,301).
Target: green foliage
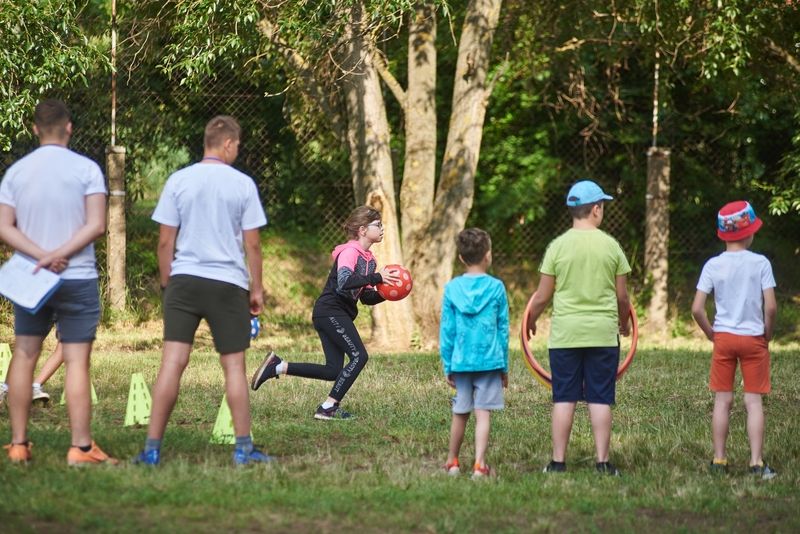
(43,48)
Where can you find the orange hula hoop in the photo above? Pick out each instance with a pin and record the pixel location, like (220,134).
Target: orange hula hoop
(544,377)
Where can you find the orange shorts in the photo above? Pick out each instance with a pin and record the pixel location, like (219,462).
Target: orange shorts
(751,351)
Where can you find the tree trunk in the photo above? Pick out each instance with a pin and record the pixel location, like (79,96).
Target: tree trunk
(656,251)
(419,174)
(371,169)
(433,253)
(115,246)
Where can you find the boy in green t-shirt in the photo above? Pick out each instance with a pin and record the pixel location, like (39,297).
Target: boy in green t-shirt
(585,272)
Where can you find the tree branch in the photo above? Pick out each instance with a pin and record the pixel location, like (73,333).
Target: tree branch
(390,81)
(783,53)
(305,73)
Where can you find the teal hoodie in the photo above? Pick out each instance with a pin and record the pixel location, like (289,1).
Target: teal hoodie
(473,335)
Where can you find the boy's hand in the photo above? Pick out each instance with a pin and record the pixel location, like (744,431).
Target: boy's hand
(625,329)
(531,325)
(451,382)
(505,380)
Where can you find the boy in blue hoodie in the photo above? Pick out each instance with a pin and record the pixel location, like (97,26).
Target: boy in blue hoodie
(473,342)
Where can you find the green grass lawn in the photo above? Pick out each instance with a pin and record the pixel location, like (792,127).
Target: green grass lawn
(382,471)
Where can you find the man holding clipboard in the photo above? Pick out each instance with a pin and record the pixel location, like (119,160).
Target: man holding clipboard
(52,208)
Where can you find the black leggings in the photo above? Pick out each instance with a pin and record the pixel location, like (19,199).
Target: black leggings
(339,337)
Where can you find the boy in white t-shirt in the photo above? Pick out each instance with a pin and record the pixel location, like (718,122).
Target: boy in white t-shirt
(210,215)
(744,298)
(52,208)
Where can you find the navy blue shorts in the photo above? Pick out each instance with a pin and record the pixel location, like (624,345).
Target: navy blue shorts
(76,307)
(585,373)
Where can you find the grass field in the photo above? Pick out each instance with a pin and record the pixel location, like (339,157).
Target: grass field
(381,472)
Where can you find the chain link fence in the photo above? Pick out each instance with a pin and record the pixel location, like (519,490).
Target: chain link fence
(304,181)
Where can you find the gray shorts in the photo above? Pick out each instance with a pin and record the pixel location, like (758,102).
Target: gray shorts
(482,391)
(75,306)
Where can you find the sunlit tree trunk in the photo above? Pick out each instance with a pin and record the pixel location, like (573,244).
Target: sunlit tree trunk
(432,254)
(371,170)
(656,248)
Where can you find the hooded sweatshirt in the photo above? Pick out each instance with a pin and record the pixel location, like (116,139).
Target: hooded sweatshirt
(351,279)
(473,335)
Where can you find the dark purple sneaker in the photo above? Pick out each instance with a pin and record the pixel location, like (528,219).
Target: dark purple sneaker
(334,412)
(265,371)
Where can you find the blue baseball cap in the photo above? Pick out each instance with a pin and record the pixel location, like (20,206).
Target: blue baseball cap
(586,192)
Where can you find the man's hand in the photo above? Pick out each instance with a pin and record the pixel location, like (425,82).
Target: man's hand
(52,263)
(505,380)
(451,382)
(256,301)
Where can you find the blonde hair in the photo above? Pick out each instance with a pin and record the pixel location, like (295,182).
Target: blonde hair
(220,129)
(361,216)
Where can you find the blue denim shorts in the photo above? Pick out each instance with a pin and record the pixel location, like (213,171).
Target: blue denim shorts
(482,391)
(75,306)
(585,373)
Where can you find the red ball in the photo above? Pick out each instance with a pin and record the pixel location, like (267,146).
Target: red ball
(396,291)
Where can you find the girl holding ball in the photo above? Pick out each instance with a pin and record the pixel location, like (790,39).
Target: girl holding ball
(352,278)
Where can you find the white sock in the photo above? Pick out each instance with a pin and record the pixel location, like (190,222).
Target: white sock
(3,386)
(327,405)
(280,369)
(37,385)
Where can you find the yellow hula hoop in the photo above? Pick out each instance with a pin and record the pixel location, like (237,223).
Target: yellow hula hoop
(541,374)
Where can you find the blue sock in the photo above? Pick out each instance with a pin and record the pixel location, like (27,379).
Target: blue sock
(244,443)
(152,445)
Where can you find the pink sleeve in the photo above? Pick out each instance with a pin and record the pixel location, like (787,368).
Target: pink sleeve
(347,258)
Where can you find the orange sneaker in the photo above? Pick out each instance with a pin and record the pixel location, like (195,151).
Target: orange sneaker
(19,453)
(452,468)
(485,471)
(76,457)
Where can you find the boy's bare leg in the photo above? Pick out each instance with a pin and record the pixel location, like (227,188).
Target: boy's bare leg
(457,428)
(77,391)
(20,380)
(755,426)
(720,421)
(174,359)
(482,426)
(237,390)
(600,416)
(563,415)
(51,365)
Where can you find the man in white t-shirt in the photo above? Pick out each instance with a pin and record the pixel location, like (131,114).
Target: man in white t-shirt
(52,208)
(744,298)
(210,215)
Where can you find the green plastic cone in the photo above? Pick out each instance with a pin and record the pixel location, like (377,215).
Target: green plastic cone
(139,402)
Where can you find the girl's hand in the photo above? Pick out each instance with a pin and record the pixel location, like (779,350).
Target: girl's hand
(451,382)
(390,276)
(505,380)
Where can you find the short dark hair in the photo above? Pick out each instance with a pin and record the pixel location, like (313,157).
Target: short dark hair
(473,244)
(51,117)
(361,216)
(582,211)
(220,129)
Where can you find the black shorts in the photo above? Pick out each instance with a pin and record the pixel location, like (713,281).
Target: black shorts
(224,306)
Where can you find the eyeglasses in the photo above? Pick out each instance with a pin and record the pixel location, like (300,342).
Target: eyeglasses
(376,224)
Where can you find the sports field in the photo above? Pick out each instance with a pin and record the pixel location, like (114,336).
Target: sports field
(381,472)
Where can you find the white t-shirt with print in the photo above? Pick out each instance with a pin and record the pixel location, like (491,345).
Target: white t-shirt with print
(48,190)
(738,280)
(210,204)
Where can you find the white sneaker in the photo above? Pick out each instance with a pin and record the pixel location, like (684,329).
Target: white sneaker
(40,395)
